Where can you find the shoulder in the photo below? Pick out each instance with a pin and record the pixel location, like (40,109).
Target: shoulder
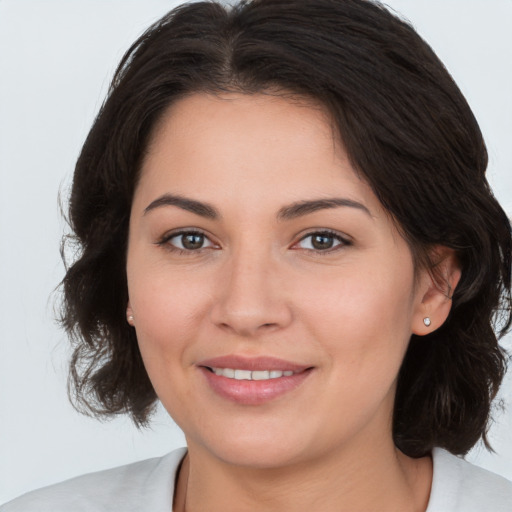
(459,486)
(144,485)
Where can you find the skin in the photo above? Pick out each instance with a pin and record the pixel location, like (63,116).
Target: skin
(258,286)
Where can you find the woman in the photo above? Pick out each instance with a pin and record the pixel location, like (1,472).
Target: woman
(287,237)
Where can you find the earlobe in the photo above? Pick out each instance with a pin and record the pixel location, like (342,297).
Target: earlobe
(129,315)
(435,292)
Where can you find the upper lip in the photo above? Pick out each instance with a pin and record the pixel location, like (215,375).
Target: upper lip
(253,363)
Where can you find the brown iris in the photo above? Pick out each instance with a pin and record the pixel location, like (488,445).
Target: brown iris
(322,241)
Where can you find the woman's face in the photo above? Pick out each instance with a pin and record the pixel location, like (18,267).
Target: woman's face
(254,247)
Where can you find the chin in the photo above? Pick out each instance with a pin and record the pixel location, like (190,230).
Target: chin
(261,449)
(260,456)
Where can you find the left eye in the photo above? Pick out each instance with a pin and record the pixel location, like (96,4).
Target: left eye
(189,241)
(321,241)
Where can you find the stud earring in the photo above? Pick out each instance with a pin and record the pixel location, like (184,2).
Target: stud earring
(427,321)
(130,319)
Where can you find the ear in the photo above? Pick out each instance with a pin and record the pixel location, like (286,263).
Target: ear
(129,315)
(434,292)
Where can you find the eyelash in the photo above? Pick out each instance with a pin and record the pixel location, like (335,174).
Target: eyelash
(343,241)
(165,242)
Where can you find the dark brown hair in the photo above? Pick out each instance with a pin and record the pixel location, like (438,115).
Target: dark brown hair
(407,130)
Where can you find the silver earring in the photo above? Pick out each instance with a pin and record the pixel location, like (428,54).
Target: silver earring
(427,321)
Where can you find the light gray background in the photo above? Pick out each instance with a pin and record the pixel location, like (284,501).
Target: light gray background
(56,59)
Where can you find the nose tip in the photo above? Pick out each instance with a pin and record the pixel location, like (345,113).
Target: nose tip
(251,301)
(246,325)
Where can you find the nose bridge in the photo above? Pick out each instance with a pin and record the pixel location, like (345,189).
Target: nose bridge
(250,298)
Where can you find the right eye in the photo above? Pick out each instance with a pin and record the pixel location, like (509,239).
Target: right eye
(187,241)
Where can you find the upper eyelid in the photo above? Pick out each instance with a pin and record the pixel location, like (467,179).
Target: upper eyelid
(183,231)
(319,231)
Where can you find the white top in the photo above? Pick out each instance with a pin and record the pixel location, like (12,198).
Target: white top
(148,485)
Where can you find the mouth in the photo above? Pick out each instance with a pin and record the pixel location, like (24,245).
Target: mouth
(253,381)
(237,374)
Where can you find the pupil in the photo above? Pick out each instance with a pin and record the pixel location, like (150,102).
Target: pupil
(322,241)
(192,241)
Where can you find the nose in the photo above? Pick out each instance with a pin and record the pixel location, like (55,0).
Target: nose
(251,297)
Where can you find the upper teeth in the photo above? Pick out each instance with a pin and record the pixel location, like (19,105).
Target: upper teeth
(251,375)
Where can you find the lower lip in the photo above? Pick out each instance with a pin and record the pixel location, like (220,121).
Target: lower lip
(253,392)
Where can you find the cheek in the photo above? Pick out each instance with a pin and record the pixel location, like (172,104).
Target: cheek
(362,318)
(167,307)
(360,323)
(167,310)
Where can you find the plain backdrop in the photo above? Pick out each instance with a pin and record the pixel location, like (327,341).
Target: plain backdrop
(56,59)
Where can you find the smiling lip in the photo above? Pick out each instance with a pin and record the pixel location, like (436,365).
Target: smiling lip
(252,392)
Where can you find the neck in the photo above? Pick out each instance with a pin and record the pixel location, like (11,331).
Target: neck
(355,479)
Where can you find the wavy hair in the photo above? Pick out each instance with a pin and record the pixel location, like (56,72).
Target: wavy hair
(407,130)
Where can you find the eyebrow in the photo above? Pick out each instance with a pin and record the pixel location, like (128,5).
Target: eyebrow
(292,211)
(199,208)
(301,208)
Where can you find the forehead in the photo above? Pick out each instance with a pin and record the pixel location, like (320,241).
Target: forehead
(257,135)
(262,117)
